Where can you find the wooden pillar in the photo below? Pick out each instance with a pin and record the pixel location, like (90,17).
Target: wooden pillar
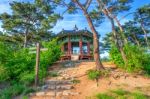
(62,48)
(80,45)
(69,46)
(37,64)
(88,48)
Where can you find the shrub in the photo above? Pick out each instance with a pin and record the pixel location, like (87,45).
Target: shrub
(3,73)
(11,91)
(28,90)
(93,74)
(18,64)
(137,58)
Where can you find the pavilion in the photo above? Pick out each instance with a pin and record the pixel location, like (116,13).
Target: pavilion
(77,44)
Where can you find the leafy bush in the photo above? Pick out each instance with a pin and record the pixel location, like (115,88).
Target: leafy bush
(28,90)
(137,58)
(18,66)
(11,91)
(3,73)
(93,74)
(116,56)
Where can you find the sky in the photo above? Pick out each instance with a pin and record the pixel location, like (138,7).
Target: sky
(69,21)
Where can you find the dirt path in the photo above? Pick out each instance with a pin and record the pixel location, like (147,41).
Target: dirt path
(85,87)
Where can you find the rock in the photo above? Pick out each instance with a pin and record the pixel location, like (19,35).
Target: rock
(31,94)
(44,87)
(74,93)
(50,93)
(58,87)
(51,82)
(67,87)
(116,77)
(58,93)
(40,93)
(51,87)
(66,93)
(64,97)
(60,78)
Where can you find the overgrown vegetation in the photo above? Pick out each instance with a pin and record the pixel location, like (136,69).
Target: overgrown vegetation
(121,94)
(96,74)
(18,65)
(138,58)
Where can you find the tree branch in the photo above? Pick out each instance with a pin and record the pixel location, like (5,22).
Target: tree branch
(126,16)
(79,4)
(87,4)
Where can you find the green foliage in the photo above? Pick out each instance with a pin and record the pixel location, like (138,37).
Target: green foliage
(28,90)
(137,57)
(93,74)
(104,96)
(138,95)
(121,94)
(3,73)
(116,56)
(18,64)
(11,91)
(31,20)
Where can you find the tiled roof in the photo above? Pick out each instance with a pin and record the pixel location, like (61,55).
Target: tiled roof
(75,32)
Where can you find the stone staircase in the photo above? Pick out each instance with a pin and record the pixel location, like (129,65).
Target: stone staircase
(55,89)
(60,87)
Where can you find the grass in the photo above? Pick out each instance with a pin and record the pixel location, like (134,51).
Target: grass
(104,96)
(122,94)
(139,95)
(11,91)
(15,90)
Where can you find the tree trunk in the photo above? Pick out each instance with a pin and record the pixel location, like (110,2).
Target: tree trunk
(25,38)
(108,13)
(98,63)
(95,43)
(120,47)
(145,33)
(136,40)
(121,30)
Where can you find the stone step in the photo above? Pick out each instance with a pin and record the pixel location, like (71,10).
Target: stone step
(60,87)
(53,94)
(58,82)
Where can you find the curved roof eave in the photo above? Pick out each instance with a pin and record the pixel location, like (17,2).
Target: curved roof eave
(75,32)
